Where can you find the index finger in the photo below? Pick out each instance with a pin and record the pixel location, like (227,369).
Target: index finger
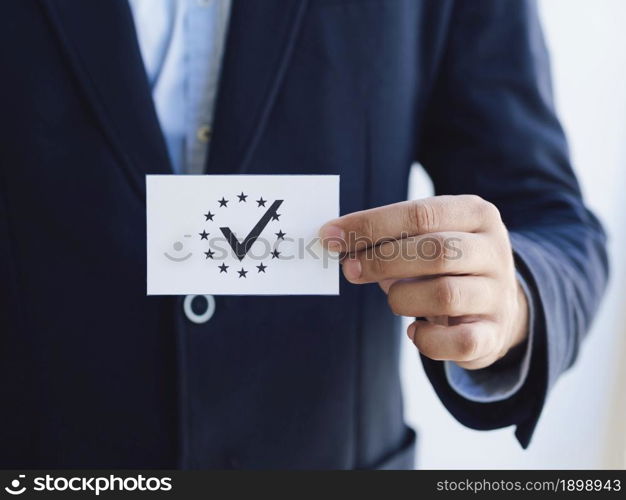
(360,230)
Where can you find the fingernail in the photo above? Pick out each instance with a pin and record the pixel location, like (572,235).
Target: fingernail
(333,237)
(352,268)
(411,331)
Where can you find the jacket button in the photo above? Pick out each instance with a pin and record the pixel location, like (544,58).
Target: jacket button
(199,308)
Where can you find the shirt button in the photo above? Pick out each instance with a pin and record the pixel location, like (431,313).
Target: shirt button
(204,133)
(199,308)
(203,3)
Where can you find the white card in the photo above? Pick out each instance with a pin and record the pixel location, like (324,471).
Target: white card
(240,234)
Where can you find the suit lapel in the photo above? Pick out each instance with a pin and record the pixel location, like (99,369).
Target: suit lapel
(100,41)
(260,40)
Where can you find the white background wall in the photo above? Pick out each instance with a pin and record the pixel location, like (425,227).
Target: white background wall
(584,422)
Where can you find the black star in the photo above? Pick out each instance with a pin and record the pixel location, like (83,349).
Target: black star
(280,234)
(204,235)
(242,197)
(209,254)
(261,268)
(223,268)
(223,202)
(261,202)
(276,216)
(208,216)
(242,273)
(275,254)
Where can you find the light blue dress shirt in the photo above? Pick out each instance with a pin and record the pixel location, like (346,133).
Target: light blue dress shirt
(182,44)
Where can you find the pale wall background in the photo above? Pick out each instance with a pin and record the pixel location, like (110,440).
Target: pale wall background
(584,422)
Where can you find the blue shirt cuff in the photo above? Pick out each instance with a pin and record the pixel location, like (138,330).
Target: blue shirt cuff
(492,384)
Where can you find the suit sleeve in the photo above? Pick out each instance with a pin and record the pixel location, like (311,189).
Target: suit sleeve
(491,130)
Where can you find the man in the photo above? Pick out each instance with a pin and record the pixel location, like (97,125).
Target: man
(99,93)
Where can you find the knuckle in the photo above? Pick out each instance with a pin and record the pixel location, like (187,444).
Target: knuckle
(379,266)
(424,216)
(448,296)
(387,250)
(491,212)
(486,210)
(472,199)
(468,343)
(434,251)
(384,256)
(369,229)
(501,251)
(364,233)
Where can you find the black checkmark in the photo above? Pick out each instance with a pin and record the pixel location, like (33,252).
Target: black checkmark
(241,248)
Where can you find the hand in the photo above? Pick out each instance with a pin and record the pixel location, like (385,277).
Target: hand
(446,259)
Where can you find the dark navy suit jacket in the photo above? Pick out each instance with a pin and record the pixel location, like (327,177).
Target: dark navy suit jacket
(93,373)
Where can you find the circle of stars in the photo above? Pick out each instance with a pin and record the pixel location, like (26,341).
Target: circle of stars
(223,203)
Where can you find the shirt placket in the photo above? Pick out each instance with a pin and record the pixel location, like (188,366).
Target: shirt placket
(204,38)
